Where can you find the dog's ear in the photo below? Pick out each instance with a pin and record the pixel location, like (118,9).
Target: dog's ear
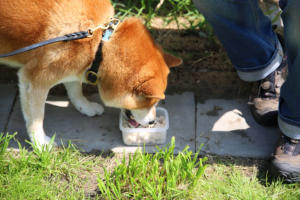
(172,61)
(151,89)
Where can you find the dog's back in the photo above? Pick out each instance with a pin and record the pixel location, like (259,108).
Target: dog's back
(24,22)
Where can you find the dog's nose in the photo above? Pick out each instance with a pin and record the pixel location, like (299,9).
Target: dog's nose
(152,122)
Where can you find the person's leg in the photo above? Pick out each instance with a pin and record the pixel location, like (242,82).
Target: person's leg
(289,109)
(246,34)
(286,161)
(252,46)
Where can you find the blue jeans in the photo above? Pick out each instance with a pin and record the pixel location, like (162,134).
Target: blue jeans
(247,35)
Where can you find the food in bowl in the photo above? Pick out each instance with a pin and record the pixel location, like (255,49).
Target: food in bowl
(149,135)
(160,122)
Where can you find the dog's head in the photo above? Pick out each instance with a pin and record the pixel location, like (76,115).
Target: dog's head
(133,73)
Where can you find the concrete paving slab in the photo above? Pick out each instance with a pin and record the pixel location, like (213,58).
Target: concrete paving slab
(226,127)
(68,124)
(102,132)
(8,94)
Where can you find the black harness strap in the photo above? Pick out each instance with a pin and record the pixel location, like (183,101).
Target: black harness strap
(67,37)
(91,74)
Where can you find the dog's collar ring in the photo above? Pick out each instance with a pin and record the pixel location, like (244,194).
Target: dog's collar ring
(91,77)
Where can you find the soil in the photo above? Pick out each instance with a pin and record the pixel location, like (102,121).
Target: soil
(206,69)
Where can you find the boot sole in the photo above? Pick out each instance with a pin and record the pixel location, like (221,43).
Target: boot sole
(284,170)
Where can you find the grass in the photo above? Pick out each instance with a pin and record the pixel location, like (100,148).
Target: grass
(169,11)
(40,174)
(64,173)
(234,181)
(158,176)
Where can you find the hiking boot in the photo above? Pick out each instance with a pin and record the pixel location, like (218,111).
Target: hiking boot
(264,107)
(286,160)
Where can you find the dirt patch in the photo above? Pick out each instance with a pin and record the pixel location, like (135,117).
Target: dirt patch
(206,69)
(107,160)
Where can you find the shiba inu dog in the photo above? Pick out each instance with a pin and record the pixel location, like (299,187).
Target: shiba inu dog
(132,74)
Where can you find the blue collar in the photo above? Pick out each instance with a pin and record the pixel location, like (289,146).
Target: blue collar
(107,34)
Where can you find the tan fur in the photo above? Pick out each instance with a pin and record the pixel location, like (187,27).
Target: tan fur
(133,73)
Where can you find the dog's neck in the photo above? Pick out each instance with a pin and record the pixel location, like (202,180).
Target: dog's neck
(91,74)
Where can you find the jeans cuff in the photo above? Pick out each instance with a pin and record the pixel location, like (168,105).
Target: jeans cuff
(257,75)
(289,130)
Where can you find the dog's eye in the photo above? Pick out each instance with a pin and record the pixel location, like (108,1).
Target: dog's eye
(128,113)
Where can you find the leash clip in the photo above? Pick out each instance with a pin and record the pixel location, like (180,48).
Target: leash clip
(112,24)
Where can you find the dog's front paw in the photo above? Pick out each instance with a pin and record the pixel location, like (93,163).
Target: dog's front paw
(90,109)
(98,109)
(43,141)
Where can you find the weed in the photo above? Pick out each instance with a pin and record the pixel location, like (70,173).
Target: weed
(159,176)
(4,142)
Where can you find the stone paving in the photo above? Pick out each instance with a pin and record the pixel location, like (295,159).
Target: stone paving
(223,127)
(8,95)
(226,127)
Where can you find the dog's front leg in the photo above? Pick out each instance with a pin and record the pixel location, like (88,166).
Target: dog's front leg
(74,90)
(33,97)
